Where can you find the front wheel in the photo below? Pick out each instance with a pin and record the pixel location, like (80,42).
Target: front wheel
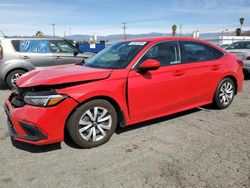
(224,94)
(13,76)
(92,124)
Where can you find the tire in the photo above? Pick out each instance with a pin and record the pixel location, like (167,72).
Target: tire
(224,94)
(12,76)
(83,124)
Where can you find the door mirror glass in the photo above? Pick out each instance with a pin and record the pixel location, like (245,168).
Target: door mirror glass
(149,64)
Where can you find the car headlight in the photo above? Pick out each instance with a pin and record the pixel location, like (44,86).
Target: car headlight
(43,100)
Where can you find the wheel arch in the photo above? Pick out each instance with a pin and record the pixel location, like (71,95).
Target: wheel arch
(7,74)
(120,114)
(233,78)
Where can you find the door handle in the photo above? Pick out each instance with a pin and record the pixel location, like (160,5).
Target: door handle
(178,73)
(216,67)
(58,58)
(26,57)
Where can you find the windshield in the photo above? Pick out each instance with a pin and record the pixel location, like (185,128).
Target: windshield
(117,56)
(239,45)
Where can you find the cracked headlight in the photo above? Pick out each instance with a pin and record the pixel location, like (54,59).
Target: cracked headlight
(37,99)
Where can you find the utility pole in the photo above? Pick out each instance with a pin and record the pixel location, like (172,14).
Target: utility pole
(53,27)
(180,30)
(124,27)
(70,32)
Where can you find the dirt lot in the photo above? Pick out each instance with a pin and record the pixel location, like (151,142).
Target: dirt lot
(198,148)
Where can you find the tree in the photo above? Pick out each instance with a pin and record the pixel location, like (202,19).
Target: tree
(39,34)
(174,29)
(241,22)
(238,32)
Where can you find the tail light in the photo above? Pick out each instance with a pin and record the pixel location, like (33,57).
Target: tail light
(248,58)
(240,62)
(1,52)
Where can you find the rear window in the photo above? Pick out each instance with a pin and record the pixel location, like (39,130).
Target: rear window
(34,46)
(15,44)
(195,52)
(216,53)
(31,46)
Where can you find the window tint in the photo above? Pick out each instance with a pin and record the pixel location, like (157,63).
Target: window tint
(117,56)
(239,45)
(15,44)
(34,46)
(167,53)
(60,46)
(195,52)
(217,54)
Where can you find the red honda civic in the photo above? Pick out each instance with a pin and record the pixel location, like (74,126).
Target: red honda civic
(128,82)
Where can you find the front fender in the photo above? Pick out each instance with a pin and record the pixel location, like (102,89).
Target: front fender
(108,88)
(13,65)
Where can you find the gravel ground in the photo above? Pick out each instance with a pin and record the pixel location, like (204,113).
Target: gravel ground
(198,148)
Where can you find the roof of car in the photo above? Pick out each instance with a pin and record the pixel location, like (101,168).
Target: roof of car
(157,39)
(32,38)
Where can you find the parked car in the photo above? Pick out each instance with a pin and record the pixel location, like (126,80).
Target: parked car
(224,46)
(19,55)
(129,82)
(242,50)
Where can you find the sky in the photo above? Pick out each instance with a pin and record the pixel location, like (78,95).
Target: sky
(105,17)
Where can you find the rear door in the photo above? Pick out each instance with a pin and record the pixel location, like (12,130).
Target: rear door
(35,52)
(204,66)
(161,91)
(63,52)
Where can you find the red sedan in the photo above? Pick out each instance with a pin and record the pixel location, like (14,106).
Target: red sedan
(126,83)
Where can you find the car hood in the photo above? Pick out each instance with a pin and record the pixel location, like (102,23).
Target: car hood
(61,75)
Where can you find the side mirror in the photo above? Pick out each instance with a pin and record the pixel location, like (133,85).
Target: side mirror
(149,64)
(76,52)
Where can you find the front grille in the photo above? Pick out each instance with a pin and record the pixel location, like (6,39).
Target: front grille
(17,98)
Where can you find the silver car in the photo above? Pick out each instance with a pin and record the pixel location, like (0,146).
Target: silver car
(242,50)
(19,55)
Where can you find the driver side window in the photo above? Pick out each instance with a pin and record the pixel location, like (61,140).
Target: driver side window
(167,53)
(60,46)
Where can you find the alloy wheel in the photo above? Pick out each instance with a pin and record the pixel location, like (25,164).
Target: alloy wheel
(226,93)
(94,124)
(15,77)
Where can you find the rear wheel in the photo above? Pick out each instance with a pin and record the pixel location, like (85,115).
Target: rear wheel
(13,76)
(224,94)
(92,124)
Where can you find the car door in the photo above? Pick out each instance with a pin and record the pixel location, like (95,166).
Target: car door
(161,91)
(35,52)
(203,68)
(64,53)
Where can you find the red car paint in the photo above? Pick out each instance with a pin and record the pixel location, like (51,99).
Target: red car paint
(141,97)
